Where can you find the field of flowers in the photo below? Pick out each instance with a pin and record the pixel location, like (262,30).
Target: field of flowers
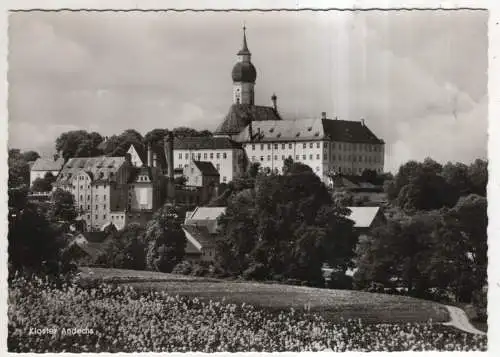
(46,318)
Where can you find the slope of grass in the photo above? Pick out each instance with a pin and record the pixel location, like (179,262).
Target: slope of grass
(332,304)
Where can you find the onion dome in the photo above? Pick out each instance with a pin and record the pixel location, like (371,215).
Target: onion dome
(244,72)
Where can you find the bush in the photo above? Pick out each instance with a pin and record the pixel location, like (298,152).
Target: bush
(184,268)
(338,280)
(255,272)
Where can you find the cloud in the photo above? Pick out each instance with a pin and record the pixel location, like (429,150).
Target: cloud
(409,74)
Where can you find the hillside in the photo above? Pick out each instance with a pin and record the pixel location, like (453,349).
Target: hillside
(332,304)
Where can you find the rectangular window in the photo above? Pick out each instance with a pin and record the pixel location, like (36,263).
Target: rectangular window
(81,197)
(275,157)
(88,207)
(297,157)
(304,157)
(290,146)
(180,155)
(262,158)
(224,155)
(262,146)
(268,157)
(205,155)
(317,156)
(218,167)
(304,145)
(318,145)
(310,157)
(268,146)
(199,157)
(186,156)
(211,155)
(253,146)
(104,197)
(311,145)
(96,216)
(283,157)
(103,216)
(326,145)
(283,146)
(96,206)
(88,216)
(192,156)
(224,179)
(81,187)
(218,156)
(253,158)
(275,146)
(104,207)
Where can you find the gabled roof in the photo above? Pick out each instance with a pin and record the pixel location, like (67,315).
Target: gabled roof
(191,249)
(308,130)
(240,115)
(363,217)
(47,164)
(206,168)
(100,168)
(202,237)
(204,142)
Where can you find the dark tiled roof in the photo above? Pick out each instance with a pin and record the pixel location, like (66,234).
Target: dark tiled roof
(99,168)
(206,142)
(206,168)
(349,131)
(47,165)
(309,130)
(201,234)
(240,115)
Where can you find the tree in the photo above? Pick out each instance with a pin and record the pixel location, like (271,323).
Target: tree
(43,184)
(284,226)
(478,177)
(119,145)
(30,156)
(127,250)
(19,170)
(78,143)
(183,132)
(342,198)
(62,206)
(456,175)
(34,244)
(155,136)
(165,239)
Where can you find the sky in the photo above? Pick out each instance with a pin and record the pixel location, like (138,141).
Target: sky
(418,78)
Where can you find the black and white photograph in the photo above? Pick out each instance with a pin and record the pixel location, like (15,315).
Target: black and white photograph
(247,181)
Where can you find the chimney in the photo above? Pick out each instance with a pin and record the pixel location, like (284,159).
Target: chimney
(274,98)
(323,115)
(150,156)
(169,156)
(362,121)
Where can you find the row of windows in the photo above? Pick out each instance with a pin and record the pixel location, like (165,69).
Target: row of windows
(96,197)
(318,157)
(205,155)
(96,207)
(345,147)
(88,187)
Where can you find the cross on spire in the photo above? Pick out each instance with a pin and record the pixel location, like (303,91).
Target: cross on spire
(244,50)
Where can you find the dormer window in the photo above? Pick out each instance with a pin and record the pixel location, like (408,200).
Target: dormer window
(310,128)
(298,134)
(271,130)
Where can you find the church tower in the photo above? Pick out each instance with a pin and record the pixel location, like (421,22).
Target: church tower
(244,75)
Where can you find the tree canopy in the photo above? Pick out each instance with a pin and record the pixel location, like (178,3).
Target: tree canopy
(79,143)
(283,227)
(19,170)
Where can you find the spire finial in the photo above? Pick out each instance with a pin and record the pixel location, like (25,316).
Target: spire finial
(244,50)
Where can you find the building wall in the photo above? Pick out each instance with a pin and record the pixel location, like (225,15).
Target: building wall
(224,160)
(141,196)
(135,158)
(320,155)
(40,174)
